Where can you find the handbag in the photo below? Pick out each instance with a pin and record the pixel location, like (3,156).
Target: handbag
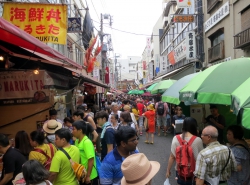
(79,169)
(217,179)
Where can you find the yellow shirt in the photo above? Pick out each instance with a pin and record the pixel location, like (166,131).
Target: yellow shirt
(136,113)
(40,157)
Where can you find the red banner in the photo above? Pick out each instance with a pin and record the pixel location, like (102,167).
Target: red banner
(144,65)
(107,75)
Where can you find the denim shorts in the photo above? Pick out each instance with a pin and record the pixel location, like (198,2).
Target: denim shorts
(161,121)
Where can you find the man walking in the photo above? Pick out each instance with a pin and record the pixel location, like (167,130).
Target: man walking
(141,107)
(215,163)
(161,112)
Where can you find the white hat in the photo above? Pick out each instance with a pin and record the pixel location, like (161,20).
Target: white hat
(51,126)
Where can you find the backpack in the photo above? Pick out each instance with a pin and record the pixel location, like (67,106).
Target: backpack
(185,158)
(49,159)
(160,109)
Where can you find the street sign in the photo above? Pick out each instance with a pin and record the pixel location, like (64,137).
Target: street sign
(183,18)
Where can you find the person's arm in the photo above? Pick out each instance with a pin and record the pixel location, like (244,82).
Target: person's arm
(109,148)
(199,181)
(170,164)
(220,124)
(95,136)
(91,121)
(52,176)
(90,166)
(7,178)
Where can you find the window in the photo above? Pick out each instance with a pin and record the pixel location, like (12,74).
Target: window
(79,56)
(217,37)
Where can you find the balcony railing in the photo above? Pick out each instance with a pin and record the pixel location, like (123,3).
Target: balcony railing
(216,52)
(211,4)
(242,39)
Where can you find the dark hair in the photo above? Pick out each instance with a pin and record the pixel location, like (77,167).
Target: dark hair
(134,105)
(34,172)
(82,125)
(126,116)
(67,119)
(237,131)
(102,114)
(64,133)
(22,143)
(78,113)
(213,107)
(37,136)
(178,108)
(4,140)
(189,125)
(124,134)
(52,112)
(126,101)
(115,115)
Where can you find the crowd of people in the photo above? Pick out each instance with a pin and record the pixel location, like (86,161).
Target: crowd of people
(42,156)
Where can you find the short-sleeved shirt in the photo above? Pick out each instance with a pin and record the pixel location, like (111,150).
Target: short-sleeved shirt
(221,120)
(178,122)
(87,152)
(110,172)
(140,107)
(109,138)
(211,160)
(165,108)
(61,165)
(12,163)
(197,146)
(40,157)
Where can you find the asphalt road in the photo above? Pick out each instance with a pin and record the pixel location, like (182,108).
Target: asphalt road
(159,151)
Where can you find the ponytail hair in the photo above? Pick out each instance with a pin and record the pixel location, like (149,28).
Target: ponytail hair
(84,126)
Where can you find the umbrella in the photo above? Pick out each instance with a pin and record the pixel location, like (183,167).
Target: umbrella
(151,87)
(171,95)
(162,86)
(216,84)
(147,94)
(136,91)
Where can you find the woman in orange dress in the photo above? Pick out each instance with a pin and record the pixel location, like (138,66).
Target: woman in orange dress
(150,115)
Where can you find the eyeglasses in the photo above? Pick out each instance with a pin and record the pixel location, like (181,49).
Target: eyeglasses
(205,135)
(134,140)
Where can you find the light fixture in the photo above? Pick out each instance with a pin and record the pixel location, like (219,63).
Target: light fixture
(36,71)
(1,58)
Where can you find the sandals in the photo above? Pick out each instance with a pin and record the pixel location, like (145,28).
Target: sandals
(146,142)
(152,143)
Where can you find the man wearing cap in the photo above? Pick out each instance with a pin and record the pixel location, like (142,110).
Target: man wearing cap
(110,171)
(50,127)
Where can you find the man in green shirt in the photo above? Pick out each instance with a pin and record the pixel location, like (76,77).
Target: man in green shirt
(87,151)
(60,169)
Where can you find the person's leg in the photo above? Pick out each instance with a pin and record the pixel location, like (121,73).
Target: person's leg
(152,138)
(147,141)
(164,123)
(140,124)
(158,120)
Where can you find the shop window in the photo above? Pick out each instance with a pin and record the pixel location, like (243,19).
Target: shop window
(245,21)
(216,51)
(217,37)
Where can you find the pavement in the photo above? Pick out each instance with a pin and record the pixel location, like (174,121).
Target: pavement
(159,151)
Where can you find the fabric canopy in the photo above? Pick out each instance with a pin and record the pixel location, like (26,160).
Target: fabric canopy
(12,34)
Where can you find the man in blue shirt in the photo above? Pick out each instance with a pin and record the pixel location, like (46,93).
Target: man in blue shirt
(126,141)
(107,135)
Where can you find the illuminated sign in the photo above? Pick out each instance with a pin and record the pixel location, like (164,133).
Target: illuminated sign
(183,18)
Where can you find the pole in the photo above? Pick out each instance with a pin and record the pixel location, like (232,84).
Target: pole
(102,52)
(200,33)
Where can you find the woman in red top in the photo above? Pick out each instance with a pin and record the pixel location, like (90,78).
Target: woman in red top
(150,115)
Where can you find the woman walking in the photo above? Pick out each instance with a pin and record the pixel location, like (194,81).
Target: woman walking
(150,116)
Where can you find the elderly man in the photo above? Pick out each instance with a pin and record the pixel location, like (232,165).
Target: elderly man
(115,110)
(216,162)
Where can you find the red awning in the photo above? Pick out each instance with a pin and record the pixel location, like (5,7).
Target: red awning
(12,34)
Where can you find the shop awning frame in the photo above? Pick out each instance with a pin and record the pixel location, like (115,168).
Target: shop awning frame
(13,35)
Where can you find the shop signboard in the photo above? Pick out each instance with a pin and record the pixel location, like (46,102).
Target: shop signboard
(23,87)
(183,18)
(220,14)
(185,3)
(74,25)
(46,22)
(171,57)
(180,51)
(191,45)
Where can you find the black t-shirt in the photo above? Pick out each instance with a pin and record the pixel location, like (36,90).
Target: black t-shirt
(108,138)
(221,120)
(12,163)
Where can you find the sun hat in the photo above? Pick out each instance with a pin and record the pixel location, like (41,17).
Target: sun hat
(150,107)
(51,126)
(138,170)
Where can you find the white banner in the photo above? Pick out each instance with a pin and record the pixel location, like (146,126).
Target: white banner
(148,46)
(96,73)
(185,3)
(180,51)
(163,63)
(217,17)
(191,45)
(23,88)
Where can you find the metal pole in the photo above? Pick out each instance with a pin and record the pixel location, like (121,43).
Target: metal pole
(200,32)
(102,53)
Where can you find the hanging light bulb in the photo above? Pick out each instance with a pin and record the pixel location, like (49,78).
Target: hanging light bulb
(36,71)
(1,58)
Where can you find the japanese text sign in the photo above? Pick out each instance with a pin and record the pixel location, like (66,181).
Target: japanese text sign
(46,22)
(183,18)
(180,51)
(185,3)
(222,12)
(191,45)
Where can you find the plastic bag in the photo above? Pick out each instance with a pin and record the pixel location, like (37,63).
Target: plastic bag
(167,182)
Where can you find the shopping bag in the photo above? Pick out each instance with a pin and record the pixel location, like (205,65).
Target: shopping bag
(167,182)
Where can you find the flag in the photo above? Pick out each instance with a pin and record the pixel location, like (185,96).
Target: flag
(87,30)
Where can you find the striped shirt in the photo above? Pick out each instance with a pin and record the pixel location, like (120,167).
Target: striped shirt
(211,161)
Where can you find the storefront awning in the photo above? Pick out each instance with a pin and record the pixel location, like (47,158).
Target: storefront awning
(13,35)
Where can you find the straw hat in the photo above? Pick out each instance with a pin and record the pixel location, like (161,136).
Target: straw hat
(150,107)
(138,170)
(51,126)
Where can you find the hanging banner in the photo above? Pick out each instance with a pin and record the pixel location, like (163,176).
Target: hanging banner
(185,3)
(46,22)
(23,88)
(107,75)
(180,51)
(191,45)
(171,57)
(74,25)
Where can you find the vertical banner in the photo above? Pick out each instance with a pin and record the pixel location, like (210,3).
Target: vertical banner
(96,73)
(46,22)
(191,45)
(144,65)
(171,57)
(107,75)
(148,46)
